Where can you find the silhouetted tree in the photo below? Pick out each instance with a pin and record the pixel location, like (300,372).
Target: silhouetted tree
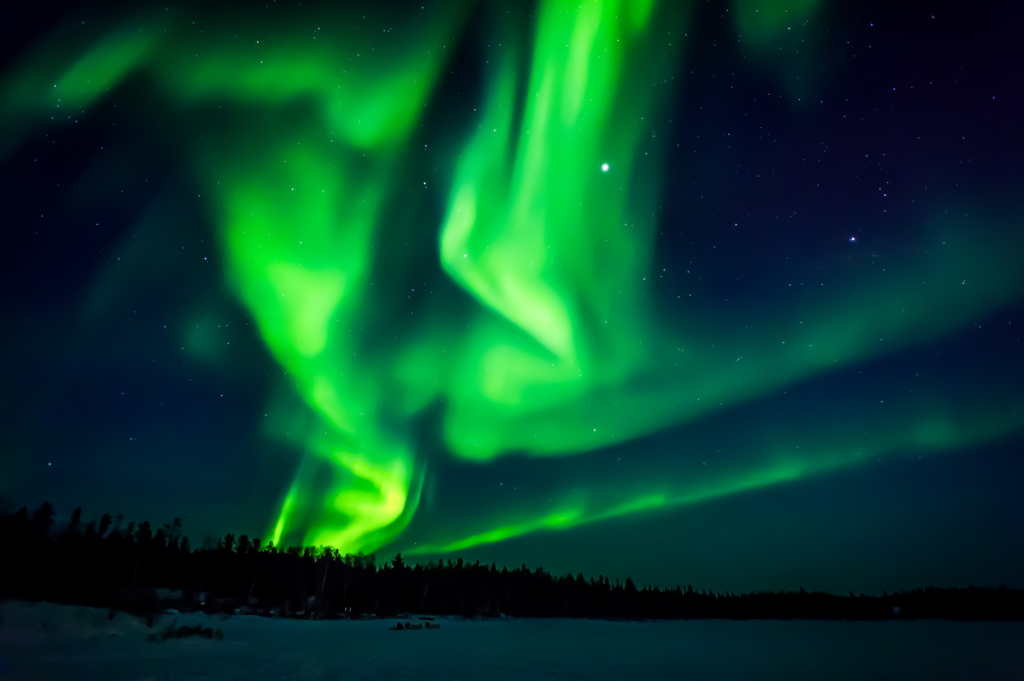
(42,520)
(76,518)
(243,544)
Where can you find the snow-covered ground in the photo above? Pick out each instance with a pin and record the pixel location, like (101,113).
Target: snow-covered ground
(47,641)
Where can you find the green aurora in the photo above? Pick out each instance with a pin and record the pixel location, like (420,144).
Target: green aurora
(554,345)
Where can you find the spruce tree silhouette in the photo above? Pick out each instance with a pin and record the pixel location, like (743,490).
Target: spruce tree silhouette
(42,521)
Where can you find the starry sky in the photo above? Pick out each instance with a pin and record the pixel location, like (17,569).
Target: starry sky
(718,293)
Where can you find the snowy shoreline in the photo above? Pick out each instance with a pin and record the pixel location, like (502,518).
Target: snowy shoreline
(51,641)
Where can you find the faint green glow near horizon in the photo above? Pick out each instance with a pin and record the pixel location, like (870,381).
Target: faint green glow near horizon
(549,227)
(777,463)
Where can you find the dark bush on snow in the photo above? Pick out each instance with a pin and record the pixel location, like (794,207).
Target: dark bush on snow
(186,632)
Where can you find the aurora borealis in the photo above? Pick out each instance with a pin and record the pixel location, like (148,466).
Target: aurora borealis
(453,277)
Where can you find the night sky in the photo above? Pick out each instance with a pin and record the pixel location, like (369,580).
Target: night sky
(718,293)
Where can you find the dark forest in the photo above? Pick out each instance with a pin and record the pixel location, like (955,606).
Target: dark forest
(142,570)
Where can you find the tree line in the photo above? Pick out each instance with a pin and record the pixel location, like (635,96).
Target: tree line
(136,567)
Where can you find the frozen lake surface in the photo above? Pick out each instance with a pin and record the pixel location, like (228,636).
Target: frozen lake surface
(46,641)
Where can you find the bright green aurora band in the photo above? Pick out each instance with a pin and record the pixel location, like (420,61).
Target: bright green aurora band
(549,228)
